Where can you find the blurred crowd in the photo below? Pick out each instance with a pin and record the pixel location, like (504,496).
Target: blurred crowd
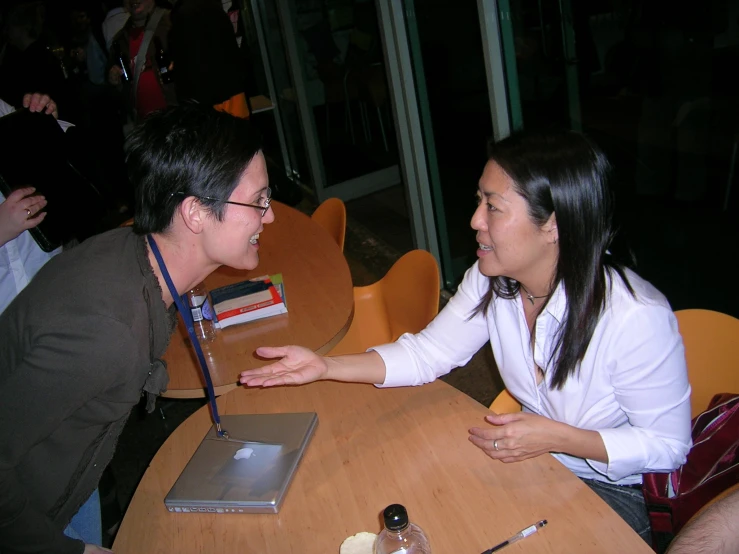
(86,56)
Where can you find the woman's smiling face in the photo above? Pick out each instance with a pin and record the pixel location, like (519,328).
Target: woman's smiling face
(510,244)
(234,240)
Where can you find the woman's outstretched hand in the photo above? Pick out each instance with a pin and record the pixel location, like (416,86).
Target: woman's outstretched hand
(297,366)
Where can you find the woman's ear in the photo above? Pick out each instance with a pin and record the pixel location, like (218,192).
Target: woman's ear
(550,229)
(193,214)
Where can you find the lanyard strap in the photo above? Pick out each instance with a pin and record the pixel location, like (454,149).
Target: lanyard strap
(187,318)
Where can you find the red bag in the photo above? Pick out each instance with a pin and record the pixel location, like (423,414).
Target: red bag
(712,466)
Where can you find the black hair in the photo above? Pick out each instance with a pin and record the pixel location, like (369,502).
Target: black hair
(188,150)
(564,173)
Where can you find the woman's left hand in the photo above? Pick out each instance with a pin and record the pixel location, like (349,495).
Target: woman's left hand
(38,102)
(518,436)
(21,210)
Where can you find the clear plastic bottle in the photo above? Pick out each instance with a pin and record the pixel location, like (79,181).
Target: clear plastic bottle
(400,536)
(202,314)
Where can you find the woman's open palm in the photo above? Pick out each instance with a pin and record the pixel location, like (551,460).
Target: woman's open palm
(297,366)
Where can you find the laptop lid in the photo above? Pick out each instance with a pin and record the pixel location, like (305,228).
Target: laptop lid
(236,475)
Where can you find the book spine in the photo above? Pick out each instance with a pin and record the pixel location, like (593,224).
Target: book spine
(237,290)
(251,307)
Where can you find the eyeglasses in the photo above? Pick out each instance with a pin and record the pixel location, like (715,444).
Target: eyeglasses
(263,207)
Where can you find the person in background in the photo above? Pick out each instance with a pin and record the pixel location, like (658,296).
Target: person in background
(151,24)
(98,138)
(714,530)
(87,45)
(20,256)
(83,341)
(206,58)
(26,63)
(115,20)
(590,350)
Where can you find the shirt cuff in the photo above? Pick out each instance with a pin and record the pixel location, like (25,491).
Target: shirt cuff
(398,365)
(626,454)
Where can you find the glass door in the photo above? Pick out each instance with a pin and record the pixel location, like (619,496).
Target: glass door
(541,62)
(452,101)
(330,81)
(651,84)
(264,30)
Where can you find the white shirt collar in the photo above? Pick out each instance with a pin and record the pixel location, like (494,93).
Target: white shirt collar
(557,303)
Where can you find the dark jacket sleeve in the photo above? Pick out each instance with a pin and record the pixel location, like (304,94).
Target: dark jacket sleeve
(59,371)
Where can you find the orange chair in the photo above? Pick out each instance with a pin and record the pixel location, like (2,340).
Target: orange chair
(331,215)
(504,403)
(405,300)
(709,338)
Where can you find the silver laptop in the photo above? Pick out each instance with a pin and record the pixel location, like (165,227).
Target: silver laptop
(247,473)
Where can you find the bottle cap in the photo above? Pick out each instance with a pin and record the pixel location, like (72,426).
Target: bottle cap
(396,517)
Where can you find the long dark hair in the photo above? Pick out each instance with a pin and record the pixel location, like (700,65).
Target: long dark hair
(566,174)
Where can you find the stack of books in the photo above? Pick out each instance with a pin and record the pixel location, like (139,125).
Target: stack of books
(249,300)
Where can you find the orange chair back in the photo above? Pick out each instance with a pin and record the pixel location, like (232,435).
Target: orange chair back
(504,403)
(710,340)
(331,215)
(405,300)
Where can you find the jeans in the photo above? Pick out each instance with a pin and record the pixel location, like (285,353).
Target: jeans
(626,501)
(86,525)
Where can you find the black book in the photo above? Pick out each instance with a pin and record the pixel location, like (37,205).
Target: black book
(35,153)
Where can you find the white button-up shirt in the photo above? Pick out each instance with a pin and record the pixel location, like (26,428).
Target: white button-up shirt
(631,386)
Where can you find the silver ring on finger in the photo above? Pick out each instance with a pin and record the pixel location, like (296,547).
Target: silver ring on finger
(495,444)
(28,212)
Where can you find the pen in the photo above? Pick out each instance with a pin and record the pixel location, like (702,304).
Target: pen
(518,536)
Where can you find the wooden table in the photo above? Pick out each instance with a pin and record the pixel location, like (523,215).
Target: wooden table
(320,303)
(373,448)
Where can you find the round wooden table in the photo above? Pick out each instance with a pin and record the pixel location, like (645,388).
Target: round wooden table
(320,303)
(372,448)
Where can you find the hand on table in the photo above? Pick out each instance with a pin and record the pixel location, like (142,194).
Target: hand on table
(298,366)
(20,212)
(38,102)
(519,436)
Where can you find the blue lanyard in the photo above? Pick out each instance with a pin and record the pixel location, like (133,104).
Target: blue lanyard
(187,318)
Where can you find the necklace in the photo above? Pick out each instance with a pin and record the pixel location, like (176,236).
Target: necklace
(530,296)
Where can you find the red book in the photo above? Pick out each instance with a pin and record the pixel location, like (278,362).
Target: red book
(249,300)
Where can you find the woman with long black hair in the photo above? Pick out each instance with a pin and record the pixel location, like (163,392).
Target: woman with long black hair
(590,349)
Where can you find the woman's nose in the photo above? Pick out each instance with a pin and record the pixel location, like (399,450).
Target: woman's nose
(478,218)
